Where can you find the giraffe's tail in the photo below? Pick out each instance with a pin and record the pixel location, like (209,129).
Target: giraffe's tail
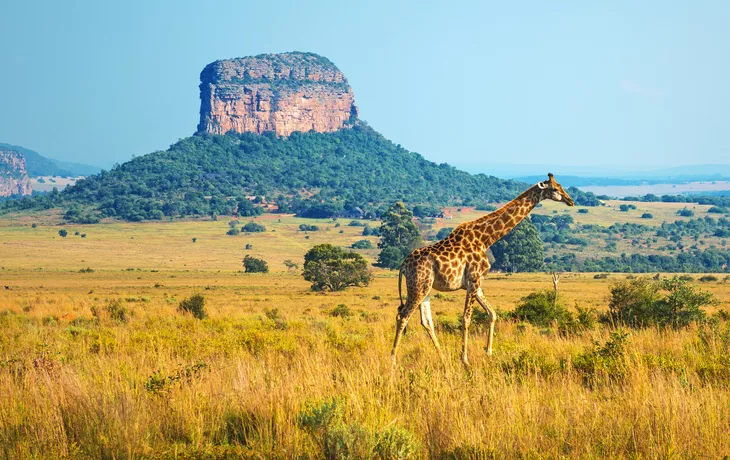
(400,287)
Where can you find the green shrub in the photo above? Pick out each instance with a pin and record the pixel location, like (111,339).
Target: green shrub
(665,303)
(195,305)
(338,439)
(253,227)
(541,309)
(444,232)
(362,244)
(708,279)
(583,211)
(255,265)
(63,233)
(647,215)
(395,442)
(341,310)
(600,276)
(233,231)
(604,363)
(116,311)
(685,212)
(308,228)
(717,210)
(86,270)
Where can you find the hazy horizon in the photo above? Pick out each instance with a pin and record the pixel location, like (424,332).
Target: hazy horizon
(636,86)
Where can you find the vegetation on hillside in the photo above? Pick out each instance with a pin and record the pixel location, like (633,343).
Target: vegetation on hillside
(310,174)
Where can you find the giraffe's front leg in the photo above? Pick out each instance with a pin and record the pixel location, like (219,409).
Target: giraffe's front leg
(492,318)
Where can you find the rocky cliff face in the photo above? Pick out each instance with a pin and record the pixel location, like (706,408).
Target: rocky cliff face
(14,178)
(282,93)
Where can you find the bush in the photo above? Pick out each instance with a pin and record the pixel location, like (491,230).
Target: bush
(624,208)
(83,235)
(717,210)
(685,212)
(308,228)
(63,232)
(330,268)
(362,244)
(665,303)
(255,265)
(195,305)
(604,363)
(541,309)
(583,211)
(647,215)
(341,310)
(253,227)
(233,231)
(708,279)
(444,232)
(115,310)
(337,439)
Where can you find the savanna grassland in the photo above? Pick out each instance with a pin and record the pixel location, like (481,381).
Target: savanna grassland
(101,364)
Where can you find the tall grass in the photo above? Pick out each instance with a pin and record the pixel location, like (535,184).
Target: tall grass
(302,383)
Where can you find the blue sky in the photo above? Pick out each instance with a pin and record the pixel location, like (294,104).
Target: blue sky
(594,85)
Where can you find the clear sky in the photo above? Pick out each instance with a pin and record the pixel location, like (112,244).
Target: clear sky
(591,84)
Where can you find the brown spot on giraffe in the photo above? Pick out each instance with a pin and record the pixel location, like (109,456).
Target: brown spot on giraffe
(460,262)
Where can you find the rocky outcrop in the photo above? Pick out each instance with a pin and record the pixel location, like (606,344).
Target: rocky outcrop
(14,178)
(282,93)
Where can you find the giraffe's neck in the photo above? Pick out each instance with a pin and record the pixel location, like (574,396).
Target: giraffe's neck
(494,226)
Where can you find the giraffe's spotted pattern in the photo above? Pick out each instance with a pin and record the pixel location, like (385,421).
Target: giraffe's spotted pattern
(460,262)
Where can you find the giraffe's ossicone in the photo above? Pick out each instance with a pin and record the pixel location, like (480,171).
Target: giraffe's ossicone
(460,262)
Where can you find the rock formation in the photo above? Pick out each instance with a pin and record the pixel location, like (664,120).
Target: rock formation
(282,93)
(14,178)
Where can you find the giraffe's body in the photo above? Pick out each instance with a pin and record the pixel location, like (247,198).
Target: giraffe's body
(460,262)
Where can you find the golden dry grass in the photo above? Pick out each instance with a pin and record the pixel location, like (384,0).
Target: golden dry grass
(74,386)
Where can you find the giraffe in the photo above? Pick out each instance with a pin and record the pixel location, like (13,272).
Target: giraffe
(460,262)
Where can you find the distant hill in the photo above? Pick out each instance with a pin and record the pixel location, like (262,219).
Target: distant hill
(312,174)
(38,165)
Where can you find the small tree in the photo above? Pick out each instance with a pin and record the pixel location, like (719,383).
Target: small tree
(63,232)
(521,250)
(255,265)
(330,268)
(398,236)
(291,265)
(253,227)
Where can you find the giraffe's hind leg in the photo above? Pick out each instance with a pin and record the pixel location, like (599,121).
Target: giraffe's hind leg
(417,292)
(492,318)
(427,322)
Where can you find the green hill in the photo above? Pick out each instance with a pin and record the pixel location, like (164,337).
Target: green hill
(311,174)
(38,165)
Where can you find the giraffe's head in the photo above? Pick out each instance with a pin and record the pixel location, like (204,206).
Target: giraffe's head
(551,190)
